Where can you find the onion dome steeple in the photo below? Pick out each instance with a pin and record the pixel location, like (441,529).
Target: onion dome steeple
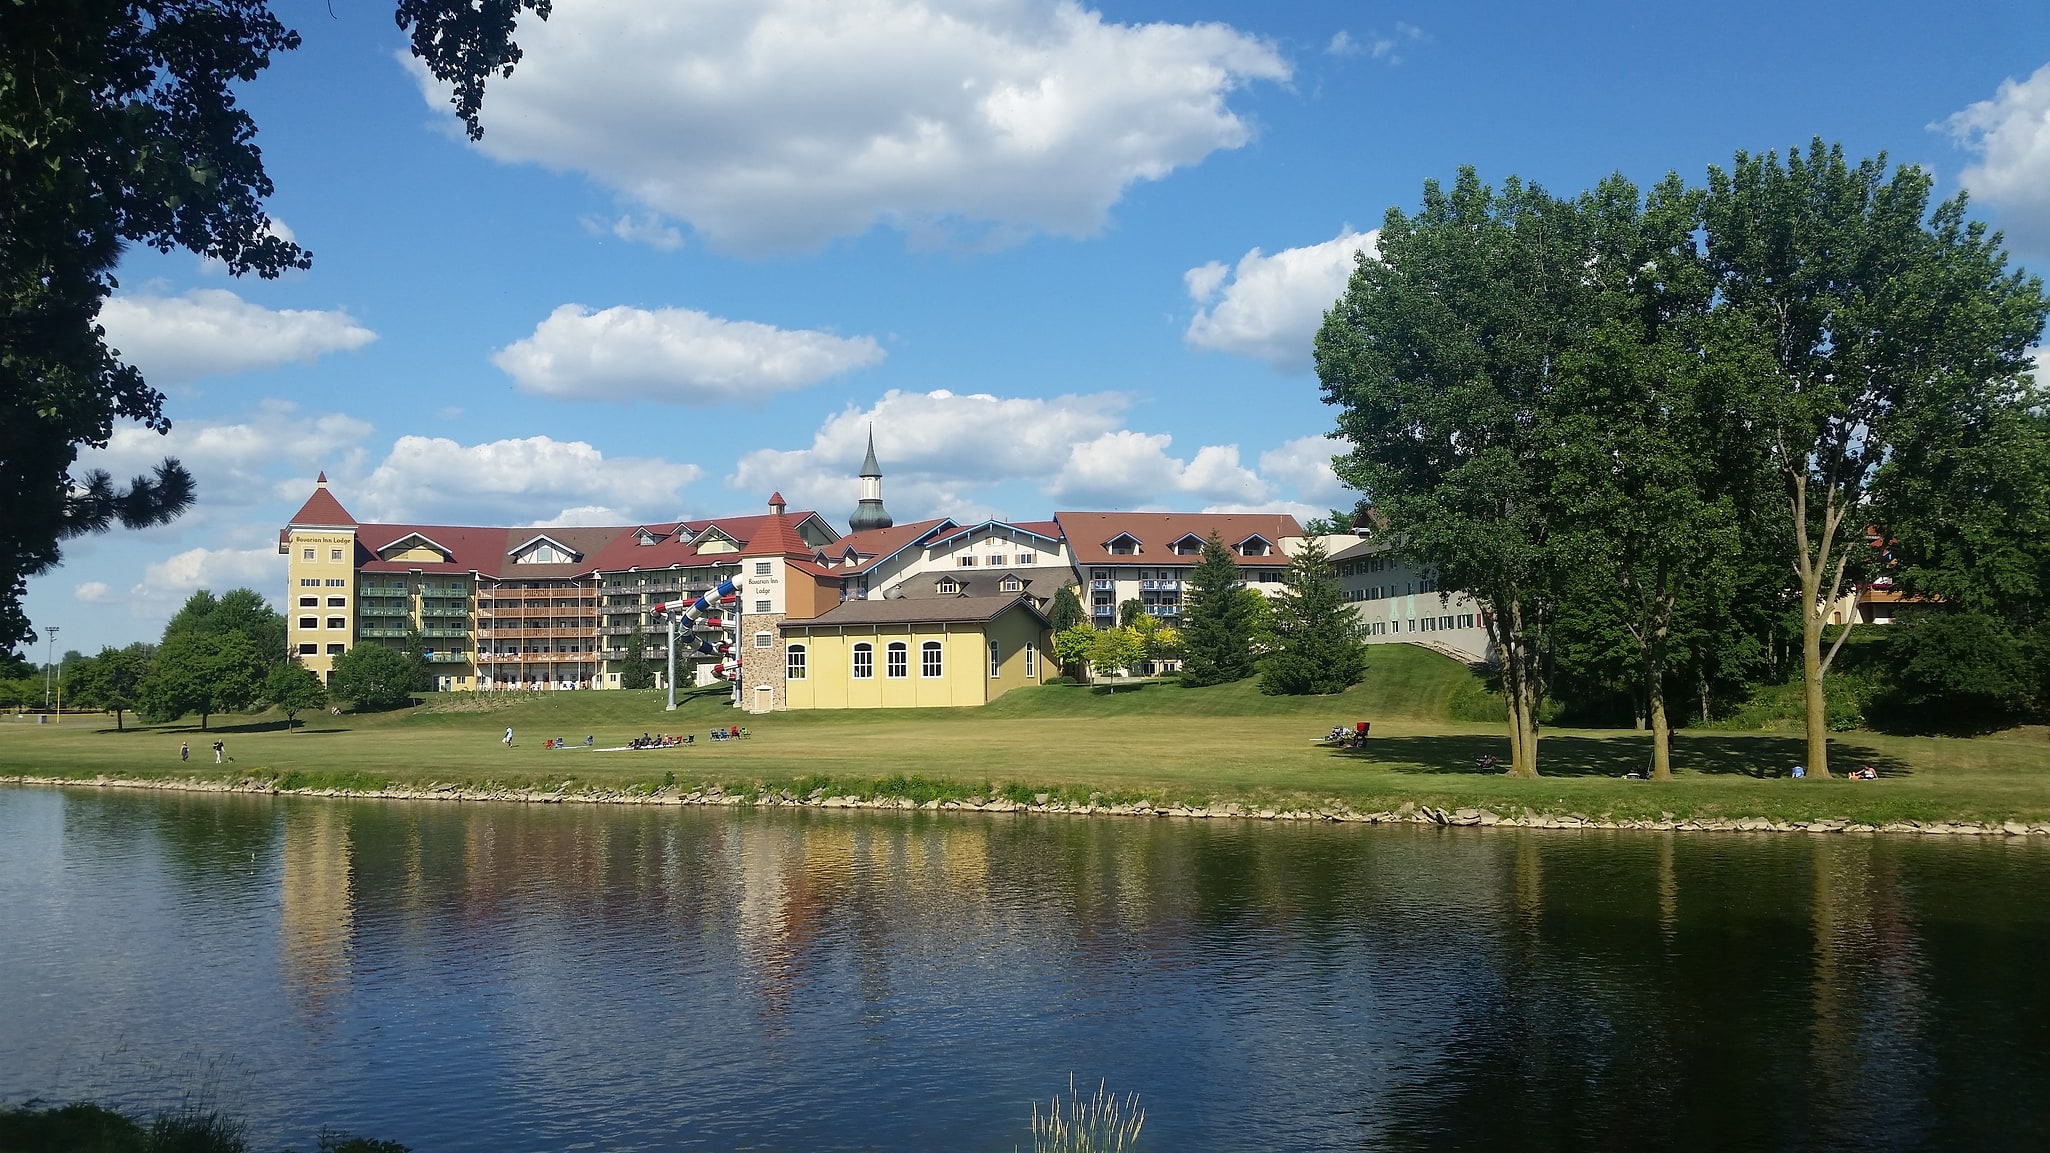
(870,512)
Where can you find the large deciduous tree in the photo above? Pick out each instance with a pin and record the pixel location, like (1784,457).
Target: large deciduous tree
(372,678)
(1443,358)
(119,125)
(1217,626)
(1862,324)
(292,688)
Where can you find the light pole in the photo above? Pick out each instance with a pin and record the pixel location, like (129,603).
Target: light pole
(49,650)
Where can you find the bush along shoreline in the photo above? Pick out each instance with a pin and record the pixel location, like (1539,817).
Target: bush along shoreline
(921,795)
(84,1127)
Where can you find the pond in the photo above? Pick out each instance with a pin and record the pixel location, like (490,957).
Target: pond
(505,977)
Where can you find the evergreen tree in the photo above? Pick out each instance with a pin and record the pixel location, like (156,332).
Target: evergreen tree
(1217,643)
(635,672)
(1067,609)
(1316,639)
(416,648)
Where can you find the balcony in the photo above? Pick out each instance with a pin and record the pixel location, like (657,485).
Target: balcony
(1158,586)
(381,634)
(441,658)
(1102,586)
(458,614)
(380,611)
(1106,612)
(1163,610)
(445,634)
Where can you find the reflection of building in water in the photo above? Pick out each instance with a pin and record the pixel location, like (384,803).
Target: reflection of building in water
(318,915)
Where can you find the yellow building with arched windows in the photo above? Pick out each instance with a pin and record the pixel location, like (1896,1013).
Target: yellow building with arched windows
(923,653)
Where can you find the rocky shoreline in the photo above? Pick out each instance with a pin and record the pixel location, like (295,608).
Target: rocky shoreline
(1044,803)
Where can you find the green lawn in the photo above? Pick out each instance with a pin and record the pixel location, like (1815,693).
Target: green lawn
(1152,740)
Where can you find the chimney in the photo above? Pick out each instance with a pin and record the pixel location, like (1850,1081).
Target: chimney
(776,504)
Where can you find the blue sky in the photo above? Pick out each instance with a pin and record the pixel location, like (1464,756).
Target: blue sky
(1061,256)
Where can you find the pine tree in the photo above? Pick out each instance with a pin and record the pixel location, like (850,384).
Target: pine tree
(1216,629)
(635,672)
(1067,609)
(1315,635)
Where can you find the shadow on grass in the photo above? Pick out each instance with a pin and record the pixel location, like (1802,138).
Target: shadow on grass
(1581,756)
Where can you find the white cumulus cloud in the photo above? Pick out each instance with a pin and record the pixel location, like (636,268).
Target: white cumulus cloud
(236,463)
(93,593)
(1126,469)
(1269,307)
(436,480)
(169,581)
(2010,134)
(781,124)
(674,355)
(638,228)
(1303,466)
(213,332)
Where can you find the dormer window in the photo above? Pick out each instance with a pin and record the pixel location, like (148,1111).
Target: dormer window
(1255,546)
(644,538)
(1124,544)
(544,550)
(949,586)
(1013,584)
(1189,545)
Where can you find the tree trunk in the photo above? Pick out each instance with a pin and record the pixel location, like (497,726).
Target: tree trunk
(1811,679)
(203,719)
(118,727)
(1661,733)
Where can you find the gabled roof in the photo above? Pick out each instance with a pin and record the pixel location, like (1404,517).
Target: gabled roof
(422,538)
(929,610)
(539,538)
(878,545)
(1089,533)
(1043,530)
(1040,583)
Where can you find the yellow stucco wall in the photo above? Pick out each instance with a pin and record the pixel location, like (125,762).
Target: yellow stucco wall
(315,571)
(965,677)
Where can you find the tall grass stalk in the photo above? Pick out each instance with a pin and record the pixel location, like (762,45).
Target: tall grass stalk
(1103,1123)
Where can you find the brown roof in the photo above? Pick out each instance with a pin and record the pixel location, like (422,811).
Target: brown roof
(1040,583)
(322,510)
(925,610)
(1090,533)
(875,543)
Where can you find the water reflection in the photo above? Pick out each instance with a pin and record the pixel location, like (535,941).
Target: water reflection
(496,977)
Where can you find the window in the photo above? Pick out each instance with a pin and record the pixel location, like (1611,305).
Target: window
(864,661)
(996,560)
(338,622)
(764,640)
(1099,574)
(899,657)
(1013,584)
(309,582)
(306,554)
(761,568)
(1124,545)
(309,622)
(793,662)
(309,602)
(762,606)
(1025,558)
(308,650)
(337,602)
(1031,662)
(929,661)
(334,554)
(947,586)
(336,584)
(335,650)
(964,561)
(996,659)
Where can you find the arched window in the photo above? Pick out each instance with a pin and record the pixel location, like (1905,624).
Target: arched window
(794,662)
(899,657)
(864,661)
(996,659)
(929,660)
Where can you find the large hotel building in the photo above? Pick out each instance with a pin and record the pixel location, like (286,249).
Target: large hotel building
(929,613)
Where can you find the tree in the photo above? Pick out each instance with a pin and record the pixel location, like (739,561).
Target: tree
(1067,609)
(1653,471)
(1112,651)
(293,688)
(119,125)
(1863,325)
(1317,645)
(112,680)
(241,611)
(1217,640)
(415,647)
(372,678)
(1071,645)
(1441,357)
(635,672)
(204,673)
(1130,611)
(1962,669)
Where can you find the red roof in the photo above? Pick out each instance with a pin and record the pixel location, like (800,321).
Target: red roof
(322,510)
(1089,534)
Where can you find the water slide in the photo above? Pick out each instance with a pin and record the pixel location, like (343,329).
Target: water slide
(710,613)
